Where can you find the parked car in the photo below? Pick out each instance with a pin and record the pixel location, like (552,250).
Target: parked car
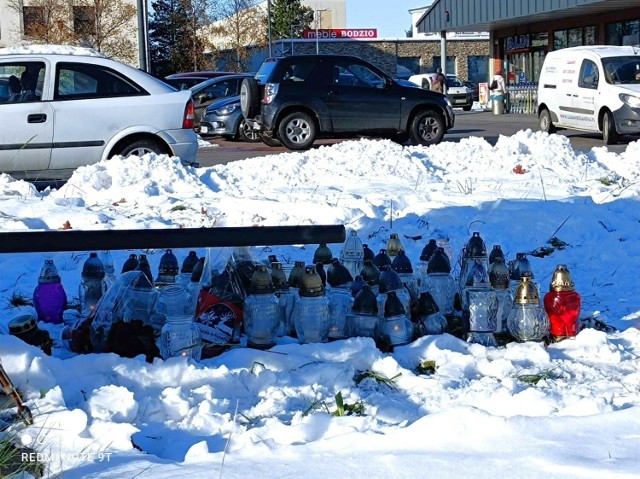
(185,80)
(205,93)
(84,109)
(475,90)
(224,117)
(299,98)
(460,95)
(591,88)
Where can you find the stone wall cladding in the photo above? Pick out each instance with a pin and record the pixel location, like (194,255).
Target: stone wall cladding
(385,54)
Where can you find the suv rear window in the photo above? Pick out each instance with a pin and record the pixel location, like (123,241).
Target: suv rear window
(265,70)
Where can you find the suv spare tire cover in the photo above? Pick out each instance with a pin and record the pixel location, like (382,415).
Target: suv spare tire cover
(249,97)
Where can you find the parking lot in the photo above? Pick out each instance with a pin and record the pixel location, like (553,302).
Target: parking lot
(473,123)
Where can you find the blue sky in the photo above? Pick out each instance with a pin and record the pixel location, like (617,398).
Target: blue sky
(390,17)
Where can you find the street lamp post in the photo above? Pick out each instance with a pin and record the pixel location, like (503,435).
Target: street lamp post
(319,21)
(269,25)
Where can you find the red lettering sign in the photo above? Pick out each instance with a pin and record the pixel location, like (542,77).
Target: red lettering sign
(349,33)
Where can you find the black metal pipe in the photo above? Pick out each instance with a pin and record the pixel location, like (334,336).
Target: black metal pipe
(83,240)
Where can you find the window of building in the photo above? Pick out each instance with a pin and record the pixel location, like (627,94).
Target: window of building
(84,20)
(33,20)
(410,63)
(575,37)
(478,68)
(451,65)
(591,36)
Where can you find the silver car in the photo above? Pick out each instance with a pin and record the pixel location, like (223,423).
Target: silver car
(76,110)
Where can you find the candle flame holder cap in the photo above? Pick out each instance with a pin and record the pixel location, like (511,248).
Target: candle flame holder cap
(261,282)
(367,252)
(338,274)
(496,252)
(93,267)
(370,272)
(189,262)
(22,324)
(561,279)
(439,262)
(475,246)
(365,302)
(311,284)
(48,273)
(382,258)
(526,293)
(389,280)
(427,305)
(394,245)
(428,250)
(322,254)
(277,276)
(168,263)
(296,274)
(393,305)
(499,273)
(401,263)
(130,264)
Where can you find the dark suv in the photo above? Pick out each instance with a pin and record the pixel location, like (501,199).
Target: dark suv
(294,100)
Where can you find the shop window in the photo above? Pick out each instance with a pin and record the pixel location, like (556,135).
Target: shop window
(560,39)
(33,20)
(451,65)
(478,68)
(575,37)
(83,20)
(591,36)
(410,63)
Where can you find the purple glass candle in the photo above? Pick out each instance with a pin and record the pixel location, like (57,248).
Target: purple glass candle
(49,297)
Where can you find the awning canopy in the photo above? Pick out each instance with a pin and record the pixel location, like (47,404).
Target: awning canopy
(492,15)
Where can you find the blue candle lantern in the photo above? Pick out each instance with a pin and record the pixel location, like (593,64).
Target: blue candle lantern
(92,285)
(371,274)
(389,281)
(439,282)
(382,259)
(49,296)
(401,264)
(363,320)
(311,309)
(425,256)
(340,299)
(179,336)
(431,319)
(396,329)
(261,311)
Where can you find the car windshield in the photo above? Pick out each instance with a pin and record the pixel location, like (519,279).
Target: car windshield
(453,82)
(622,70)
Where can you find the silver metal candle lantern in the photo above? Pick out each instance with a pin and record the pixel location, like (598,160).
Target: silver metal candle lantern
(475,252)
(92,285)
(527,319)
(352,254)
(499,277)
(480,307)
(179,336)
(261,311)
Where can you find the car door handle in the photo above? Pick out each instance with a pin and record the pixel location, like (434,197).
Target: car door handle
(37,118)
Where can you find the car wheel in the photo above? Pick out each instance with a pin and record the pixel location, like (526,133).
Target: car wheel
(246,133)
(427,128)
(268,140)
(467,108)
(297,131)
(609,133)
(249,98)
(141,148)
(545,122)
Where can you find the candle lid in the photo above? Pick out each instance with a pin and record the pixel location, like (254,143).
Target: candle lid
(311,283)
(338,274)
(499,273)
(475,246)
(393,305)
(168,263)
(189,262)
(93,267)
(22,324)
(382,258)
(365,302)
(428,250)
(527,293)
(49,273)
(277,276)
(261,282)
(401,263)
(561,279)
(439,262)
(322,254)
(426,304)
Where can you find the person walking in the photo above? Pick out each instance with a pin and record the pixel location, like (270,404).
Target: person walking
(439,82)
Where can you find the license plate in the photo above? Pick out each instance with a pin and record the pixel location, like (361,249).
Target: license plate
(460,101)
(204,129)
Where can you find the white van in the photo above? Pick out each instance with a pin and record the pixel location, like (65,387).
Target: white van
(591,88)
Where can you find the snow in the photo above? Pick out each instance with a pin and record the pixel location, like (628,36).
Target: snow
(51,50)
(270,412)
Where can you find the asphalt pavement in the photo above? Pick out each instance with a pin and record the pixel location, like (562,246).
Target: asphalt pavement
(474,123)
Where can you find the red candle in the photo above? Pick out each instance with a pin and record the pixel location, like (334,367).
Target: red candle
(562,304)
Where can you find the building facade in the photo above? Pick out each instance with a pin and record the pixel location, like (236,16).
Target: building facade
(522,33)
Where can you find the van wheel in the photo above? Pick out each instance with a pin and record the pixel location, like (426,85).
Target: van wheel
(249,98)
(545,122)
(427,128)
(609,133)
(297,131)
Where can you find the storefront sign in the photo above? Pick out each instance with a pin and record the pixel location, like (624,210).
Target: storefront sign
(341,33)
(518,43)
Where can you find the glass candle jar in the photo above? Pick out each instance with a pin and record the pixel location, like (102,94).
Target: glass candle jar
(562,304)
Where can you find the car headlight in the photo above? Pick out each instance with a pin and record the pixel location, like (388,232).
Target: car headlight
(631,100)
(227,109)
(448,100)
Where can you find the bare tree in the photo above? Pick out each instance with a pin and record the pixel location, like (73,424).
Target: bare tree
(44,21)
(241,26)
